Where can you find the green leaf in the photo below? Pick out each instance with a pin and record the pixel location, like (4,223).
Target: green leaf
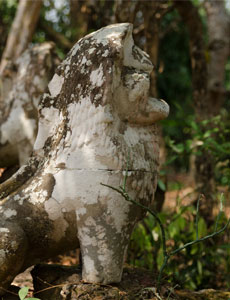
(33,299)
(202,227)
(23,292)
(207,134)
(171,160)
(199,267)
(173,229)
(160,258)
(179,148)
(181,222)
(194,249)
(161,185)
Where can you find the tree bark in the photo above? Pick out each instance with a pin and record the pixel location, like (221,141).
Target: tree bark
(153,11)
(22,30)
(77,17)
(204,162)
(88,15)
(3,34)
(190,16)
(218,52)
(125,11)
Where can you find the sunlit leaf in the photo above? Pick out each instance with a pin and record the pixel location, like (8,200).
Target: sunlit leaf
(23,292)
(161,185)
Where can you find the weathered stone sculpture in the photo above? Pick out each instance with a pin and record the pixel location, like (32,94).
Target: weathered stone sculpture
(21,86)
(97,112)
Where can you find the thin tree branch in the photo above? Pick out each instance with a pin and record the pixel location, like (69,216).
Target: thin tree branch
(56,36)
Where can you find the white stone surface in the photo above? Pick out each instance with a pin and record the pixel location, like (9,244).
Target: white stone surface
(55,85)
(21,92)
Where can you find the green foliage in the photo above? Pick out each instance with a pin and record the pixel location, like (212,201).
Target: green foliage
(196,235)
(198,266)
(174,81)
(7,13)
(212,136)
(23,292)
(7,10)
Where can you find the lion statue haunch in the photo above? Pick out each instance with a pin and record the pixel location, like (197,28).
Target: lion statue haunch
(97,113)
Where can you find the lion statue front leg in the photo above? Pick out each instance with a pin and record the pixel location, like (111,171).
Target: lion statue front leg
(104,230)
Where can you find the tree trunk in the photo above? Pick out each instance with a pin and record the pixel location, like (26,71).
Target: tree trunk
(153,12)
(88,15)
(22,84)
(190,16)
(204,162)
(22,30)
(3,34)
(218,52)
(77,17)
(125,11)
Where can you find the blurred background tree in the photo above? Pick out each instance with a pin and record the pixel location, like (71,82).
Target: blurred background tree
(189,44)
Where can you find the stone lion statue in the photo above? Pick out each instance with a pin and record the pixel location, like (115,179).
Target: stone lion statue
(21,86)
(98,113)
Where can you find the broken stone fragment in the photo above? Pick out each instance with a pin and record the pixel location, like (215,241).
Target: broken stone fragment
(97,114)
